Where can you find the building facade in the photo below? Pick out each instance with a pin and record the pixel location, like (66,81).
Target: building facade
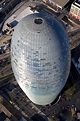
(75,10)
(40,57)
(57,4)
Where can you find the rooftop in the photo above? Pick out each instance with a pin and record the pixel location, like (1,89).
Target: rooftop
(77,3)
(60,3)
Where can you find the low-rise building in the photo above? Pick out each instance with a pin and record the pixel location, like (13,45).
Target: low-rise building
(75,10)
(9,110)
(58,4)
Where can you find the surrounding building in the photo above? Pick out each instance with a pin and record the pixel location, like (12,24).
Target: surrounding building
(10,112)
(58,4)
(75,10)
(76,59)
(65,115)
(38,68)
(8,109)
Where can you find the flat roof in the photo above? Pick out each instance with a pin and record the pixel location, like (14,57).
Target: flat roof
(60,3)
(77,3)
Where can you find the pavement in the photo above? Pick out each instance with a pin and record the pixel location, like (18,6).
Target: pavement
(6,71)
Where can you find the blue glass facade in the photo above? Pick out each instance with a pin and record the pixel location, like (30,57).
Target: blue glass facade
(40,57)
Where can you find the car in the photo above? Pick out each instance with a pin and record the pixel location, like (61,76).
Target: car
(0,8)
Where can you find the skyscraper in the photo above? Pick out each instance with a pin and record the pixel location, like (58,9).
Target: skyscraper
(40,57)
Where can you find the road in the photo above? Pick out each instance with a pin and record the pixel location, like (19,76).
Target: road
(6,71)
(8,5)
(5,55)
(4,81)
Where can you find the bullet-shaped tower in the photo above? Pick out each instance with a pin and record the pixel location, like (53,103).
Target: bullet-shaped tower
(40,57)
